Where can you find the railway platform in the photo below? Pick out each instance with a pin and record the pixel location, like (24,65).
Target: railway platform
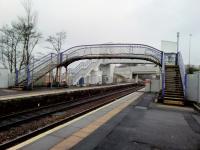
(10,94)
(131,122)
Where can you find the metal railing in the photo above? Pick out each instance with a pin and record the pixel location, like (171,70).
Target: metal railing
(37,68)
(181,65)
(83,69)
(112,49)
(40,67)
(163,73)
(170,58)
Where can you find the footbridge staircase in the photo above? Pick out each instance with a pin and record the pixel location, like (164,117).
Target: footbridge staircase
(37,69)
(175,80)
(82,70)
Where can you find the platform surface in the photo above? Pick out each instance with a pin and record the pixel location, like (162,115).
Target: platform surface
(132,122)
(9,94)
(148,127)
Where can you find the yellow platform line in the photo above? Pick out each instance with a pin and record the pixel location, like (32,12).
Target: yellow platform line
(136,94)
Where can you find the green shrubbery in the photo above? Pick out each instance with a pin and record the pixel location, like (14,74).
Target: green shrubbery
(192,69)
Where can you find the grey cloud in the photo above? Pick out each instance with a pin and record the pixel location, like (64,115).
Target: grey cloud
(101,21)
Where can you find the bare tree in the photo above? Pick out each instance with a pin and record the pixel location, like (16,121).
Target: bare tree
(9,42)
(26,25)
(56,41)
(19,40)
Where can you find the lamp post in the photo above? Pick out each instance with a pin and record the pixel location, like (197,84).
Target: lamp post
(177,41)
(190,36)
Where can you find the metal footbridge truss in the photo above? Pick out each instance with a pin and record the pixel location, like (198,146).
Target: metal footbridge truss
(39,68)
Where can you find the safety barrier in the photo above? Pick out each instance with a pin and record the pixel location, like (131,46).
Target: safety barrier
(39,68)
(182,71)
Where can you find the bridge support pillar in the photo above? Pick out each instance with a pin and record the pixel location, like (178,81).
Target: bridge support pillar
(58,76)
(136,78)
(107,73)
(87,79)
(28,82)
(50,80)
(66,77)
(95,77)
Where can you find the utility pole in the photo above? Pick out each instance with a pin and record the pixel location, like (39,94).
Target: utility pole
(190,36)
(177,41)
(32,71)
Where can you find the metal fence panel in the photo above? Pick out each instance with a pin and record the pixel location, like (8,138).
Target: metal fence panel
(193,89)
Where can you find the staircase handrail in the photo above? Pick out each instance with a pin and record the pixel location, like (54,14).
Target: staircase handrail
(36,67)
(78,67)
(182,71)
(163,73)
(35,61)
(84,70)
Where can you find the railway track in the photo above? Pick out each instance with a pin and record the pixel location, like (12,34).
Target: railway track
(16,128)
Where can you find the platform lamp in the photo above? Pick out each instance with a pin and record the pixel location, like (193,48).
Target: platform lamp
(190,37)
(177,47)
(178,41)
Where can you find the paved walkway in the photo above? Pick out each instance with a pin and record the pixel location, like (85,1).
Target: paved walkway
(126,124)
(147,127)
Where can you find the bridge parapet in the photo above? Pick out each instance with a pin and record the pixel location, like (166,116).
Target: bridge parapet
(39,68)
(104,51)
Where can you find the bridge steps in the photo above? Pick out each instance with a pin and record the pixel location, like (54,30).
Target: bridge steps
(168,92)
(173,86)
(170,82)
(174,95)
(173,102)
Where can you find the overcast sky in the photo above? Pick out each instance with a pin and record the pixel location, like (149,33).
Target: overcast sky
(124,21)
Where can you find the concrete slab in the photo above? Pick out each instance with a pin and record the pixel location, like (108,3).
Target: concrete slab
(43,144)
(196,116)
(65,132)
(83,122)
(98,114)
(101,133)
(148,129)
